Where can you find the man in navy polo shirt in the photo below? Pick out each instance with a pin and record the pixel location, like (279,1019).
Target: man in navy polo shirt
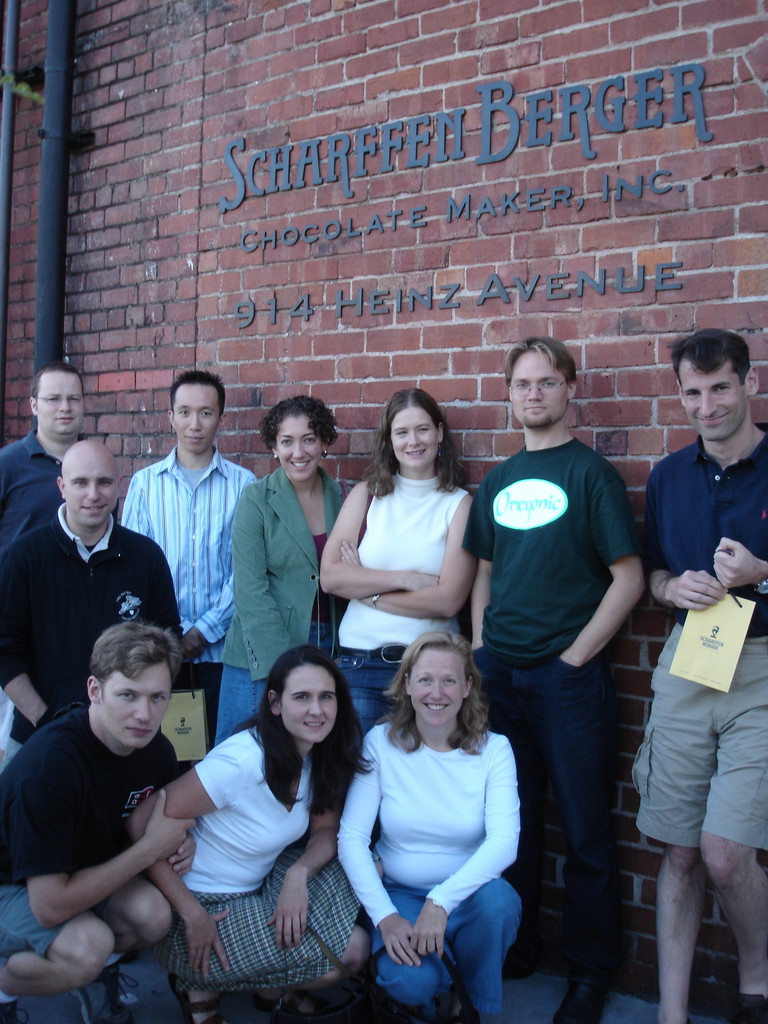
(29,469)
(702,768)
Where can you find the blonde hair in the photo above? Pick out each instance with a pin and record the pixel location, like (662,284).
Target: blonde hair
(554,351)
(131,648)
(472,719)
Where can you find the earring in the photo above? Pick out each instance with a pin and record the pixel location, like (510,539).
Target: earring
(324,452)
(440,449)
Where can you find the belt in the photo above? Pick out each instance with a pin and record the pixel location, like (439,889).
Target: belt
(392,654)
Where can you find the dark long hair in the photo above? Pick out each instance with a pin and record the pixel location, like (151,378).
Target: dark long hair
(380,474)
(334,760)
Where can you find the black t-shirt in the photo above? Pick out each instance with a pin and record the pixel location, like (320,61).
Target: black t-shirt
(65,796)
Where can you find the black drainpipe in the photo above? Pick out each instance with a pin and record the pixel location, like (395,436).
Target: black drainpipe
(54,182)
(6,173)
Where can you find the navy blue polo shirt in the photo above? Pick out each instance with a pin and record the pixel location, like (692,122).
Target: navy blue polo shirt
(29,493)
(691,502)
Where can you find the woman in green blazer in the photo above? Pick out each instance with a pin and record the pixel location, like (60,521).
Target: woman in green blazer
(280,528)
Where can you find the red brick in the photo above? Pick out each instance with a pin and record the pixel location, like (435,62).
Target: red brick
(752,283)
(154,270)
(757,54)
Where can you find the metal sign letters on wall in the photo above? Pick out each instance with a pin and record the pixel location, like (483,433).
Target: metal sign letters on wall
(645,100)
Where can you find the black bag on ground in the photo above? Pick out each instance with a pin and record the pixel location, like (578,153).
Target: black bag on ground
(350,1002)
(357,1000)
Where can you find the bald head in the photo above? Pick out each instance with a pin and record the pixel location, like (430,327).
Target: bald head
(88,485)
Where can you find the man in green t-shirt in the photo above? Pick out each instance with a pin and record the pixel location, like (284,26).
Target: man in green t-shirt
(558,573)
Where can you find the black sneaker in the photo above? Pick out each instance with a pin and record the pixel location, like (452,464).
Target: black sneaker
(102,1002)
(751,1010)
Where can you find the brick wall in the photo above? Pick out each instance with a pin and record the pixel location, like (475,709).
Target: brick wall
(157,274)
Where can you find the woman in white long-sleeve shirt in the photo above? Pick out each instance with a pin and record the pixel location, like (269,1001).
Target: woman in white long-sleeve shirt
(445,790)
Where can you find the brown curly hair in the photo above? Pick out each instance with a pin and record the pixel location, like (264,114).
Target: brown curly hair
(320,418)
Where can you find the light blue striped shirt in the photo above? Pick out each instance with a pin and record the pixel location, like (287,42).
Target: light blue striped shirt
(194,529)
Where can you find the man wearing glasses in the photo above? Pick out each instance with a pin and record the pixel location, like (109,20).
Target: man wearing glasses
(29,469)
(558,574)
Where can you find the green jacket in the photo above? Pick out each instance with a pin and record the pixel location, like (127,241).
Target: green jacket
(276,575)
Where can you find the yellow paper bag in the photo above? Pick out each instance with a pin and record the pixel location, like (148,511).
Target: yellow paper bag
(185,724)
(711,642)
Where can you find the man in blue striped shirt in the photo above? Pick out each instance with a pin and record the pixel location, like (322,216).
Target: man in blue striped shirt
(186,503)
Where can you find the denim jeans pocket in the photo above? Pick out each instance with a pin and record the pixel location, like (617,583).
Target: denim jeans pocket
(570,670)
(587,678)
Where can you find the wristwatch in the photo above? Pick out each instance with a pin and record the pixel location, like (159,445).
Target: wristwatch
(762,587)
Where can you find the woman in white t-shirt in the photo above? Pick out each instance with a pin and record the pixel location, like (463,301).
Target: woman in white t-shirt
(240,920)
(445,791)
(395,549)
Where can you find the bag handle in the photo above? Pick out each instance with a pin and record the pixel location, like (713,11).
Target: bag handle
(330,955)
(469,1014)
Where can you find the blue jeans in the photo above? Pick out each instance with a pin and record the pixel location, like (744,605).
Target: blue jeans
(240,696)
(478,934)
(561,722)
(368,678)
(239,699)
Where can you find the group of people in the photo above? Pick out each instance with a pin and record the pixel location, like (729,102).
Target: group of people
(309,614)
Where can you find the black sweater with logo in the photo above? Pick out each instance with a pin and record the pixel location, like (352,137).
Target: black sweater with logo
(53,606)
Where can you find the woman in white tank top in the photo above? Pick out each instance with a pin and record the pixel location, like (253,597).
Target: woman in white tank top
(395,551)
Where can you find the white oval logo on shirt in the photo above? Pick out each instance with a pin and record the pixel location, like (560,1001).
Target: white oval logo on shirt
(528,504)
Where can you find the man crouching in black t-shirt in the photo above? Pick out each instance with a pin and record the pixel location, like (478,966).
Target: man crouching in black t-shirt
(72,898)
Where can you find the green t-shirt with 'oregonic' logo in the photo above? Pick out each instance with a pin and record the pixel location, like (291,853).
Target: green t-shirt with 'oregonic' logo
(551,522)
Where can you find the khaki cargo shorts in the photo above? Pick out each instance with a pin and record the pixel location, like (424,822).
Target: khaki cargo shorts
(703,763)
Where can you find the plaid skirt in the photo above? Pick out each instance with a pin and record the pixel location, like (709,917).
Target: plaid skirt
(254,959)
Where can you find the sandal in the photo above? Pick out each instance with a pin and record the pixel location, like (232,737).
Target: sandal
(301,1001)
(188,1008)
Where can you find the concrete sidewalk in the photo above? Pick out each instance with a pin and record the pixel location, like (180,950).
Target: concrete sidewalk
(530,1001)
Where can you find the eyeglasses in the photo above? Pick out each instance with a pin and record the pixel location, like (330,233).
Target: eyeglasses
(546,387)
(58,399)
